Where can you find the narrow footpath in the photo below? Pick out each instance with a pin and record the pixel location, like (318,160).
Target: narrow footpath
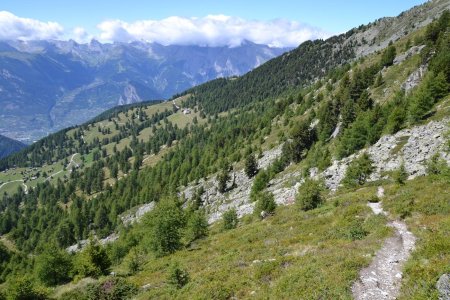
(382,278)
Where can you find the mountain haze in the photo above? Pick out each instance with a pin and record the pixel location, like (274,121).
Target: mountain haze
(50,85)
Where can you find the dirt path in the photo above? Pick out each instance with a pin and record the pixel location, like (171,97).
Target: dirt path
(67,168)
(382,278)
(19,180)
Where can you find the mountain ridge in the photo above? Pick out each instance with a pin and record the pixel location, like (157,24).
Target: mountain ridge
(70,83)
(9,146)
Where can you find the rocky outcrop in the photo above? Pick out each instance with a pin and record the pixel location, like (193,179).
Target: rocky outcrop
(411,51)
(411,147)
(83,243)
(443,286)
(238,196)
(129,95)
(134,216)
(414,79)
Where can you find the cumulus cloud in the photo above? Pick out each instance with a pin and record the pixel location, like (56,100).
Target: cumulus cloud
(212,30)
(13,27)
(80,35)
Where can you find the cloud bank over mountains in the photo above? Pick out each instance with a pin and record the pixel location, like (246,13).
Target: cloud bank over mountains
(13,27)
(212,30)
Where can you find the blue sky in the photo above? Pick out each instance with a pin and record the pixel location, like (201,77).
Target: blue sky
(93,18)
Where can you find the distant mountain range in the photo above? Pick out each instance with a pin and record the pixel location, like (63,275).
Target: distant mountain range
(49,85)
(8,146)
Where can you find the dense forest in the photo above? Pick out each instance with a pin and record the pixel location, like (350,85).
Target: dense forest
(317,81)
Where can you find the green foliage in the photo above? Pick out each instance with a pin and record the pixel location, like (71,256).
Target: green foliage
(400,175)
(114,288)
(251,166)
(222,180)
(165,224)
(379,80)
(358,171)
(328,116)
(177,276)
(396,119)
(53,266)
(278,75)
(387,59)
(309,195)
(422,99)
(259,183)
(23,288)
(230,219)
(197,226)
(93,261)
(265,203)
(354,230)
(438,166)
(135,261)
(302,138)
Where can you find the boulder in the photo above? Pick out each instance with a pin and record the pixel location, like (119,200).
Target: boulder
(443,286)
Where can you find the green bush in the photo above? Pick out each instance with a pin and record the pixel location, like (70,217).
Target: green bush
(134,261)
(92,261)
(309,195)
(53,266)
(265,203)
(259,184)
(437,166)
(23,288)
(355,230)
(197,226)
(77,294)
(114,288)
(165,224)
(230,219)
(387,59)
(400,175)
(251,166)
(358,171)
(177,276)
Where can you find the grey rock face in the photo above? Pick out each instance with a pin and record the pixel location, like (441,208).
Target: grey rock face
(132,217)
(412,147)
(443,286)
(414,79)
(411,51)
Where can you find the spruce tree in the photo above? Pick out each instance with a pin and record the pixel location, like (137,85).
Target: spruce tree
(251,166)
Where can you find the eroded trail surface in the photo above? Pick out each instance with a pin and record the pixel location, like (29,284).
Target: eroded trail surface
(382,278)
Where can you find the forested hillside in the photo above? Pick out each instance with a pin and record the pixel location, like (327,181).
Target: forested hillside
(312,107)
(9,146)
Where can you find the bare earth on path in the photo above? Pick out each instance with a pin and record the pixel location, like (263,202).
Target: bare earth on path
(382,278)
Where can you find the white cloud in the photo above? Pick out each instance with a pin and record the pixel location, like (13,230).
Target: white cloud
(213,30)
(80,35)
(13,27)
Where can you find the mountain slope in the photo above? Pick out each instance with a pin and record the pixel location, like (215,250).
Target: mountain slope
(9,146)
(50,85)
(312,60)
(208,226)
